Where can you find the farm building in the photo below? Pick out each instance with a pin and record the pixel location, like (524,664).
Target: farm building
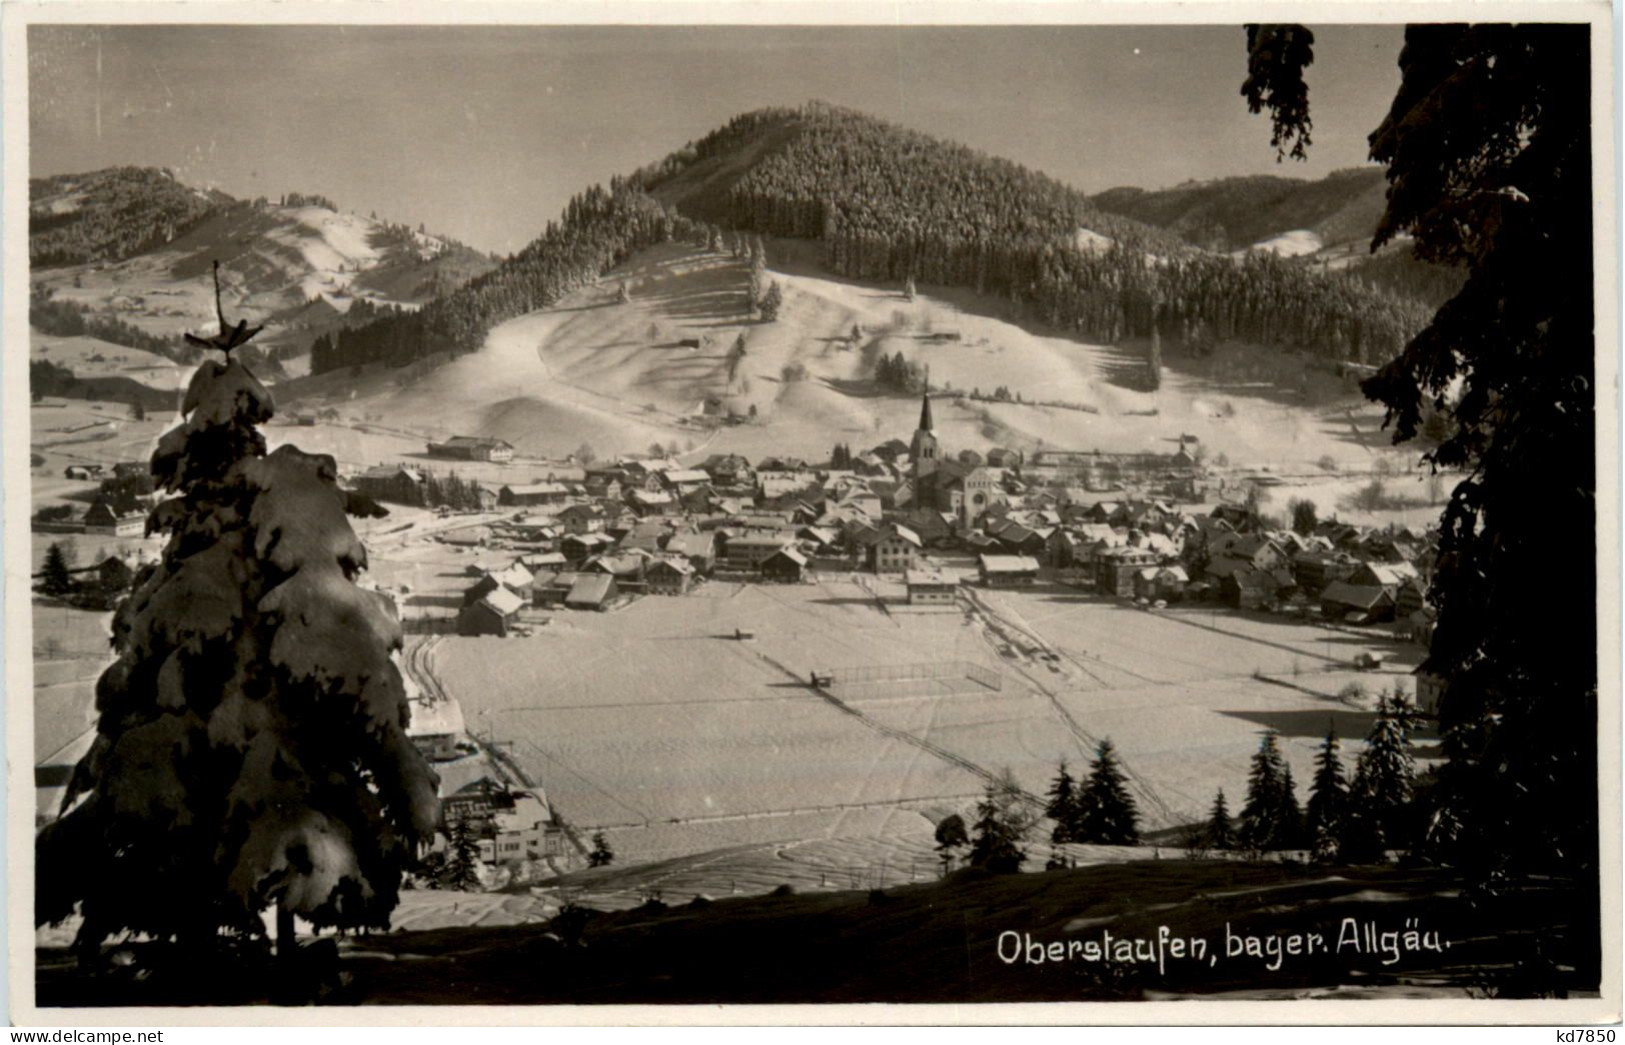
(669,576)
(591,591)
(894,550)
(1248,589)
(682,481)
(82,471)
(103,518)
(392,484)
(533,494)
(929,588)
(493,614)
(787,566)
(473,448)
(1365,603)
(1007,571)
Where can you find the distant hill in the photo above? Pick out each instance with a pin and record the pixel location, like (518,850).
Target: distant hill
(132,249)
(110,215)
(888,204)
(1330,221)
(1236,213)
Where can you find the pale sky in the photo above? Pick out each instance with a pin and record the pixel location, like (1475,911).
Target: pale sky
(484,133)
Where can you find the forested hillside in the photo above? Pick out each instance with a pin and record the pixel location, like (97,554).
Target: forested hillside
(110,215)
(890,204)
(599,229)
(1235,213)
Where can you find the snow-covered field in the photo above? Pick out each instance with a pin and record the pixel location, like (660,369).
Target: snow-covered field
(654,723)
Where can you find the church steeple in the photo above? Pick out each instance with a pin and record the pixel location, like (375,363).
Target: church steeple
(922,451)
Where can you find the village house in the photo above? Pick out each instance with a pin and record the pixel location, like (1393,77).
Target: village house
(1360,604)
(82,471)
(473,448)
(591,591)
(668,575)
(627,567)
(524,830)
(1315,570)
(699,549)
(894,549)
(1115,568)
(930,588)
(684,481)
(495,613)
(746,550)
(1007,571)
(582,518)
(728,470)
(786,566)
(515,578)
(578,547)
(1161,582)
(436,728)
(550,587)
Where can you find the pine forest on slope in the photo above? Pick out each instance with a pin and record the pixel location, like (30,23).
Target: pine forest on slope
(889,205)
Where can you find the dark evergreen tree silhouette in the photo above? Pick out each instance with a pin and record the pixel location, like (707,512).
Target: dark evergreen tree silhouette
(1063,806)
(54,578)
(1002,824)
(951,837)
(1260,827)
(1106,811)
(602,855)
(1384,783)
(1328,800)
(1220,832)
(463,866)
(1487,148)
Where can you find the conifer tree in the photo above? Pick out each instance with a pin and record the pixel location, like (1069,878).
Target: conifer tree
(1063,806)
(602,855)
(251,748)
(1260,817)
(1220,833)
(951,837)
(1328,800)
(1384,781)
(55,579)
(1288,814)
(463,868)
(771,301)
(1002,824)
(1106,811)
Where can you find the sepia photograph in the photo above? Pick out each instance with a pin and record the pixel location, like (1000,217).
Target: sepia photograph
(976,510)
